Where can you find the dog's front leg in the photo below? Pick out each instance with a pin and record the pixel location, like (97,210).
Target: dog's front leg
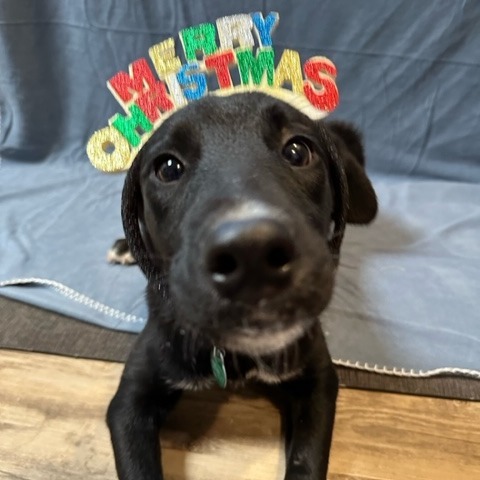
(137,412)
(308,423)
(134,419)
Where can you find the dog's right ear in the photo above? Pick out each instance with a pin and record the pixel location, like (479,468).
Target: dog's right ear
(132,214)
(362,201)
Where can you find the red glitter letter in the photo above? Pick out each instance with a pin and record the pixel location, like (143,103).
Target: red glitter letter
(141,86)
(322,72)
(220,63)
(155,100)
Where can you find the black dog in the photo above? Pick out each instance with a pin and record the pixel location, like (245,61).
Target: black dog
(235,210)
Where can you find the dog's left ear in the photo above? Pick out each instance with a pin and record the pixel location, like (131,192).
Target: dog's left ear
(362,201)
(132,208)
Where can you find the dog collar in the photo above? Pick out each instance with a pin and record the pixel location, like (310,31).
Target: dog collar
(217,362)
(238,44)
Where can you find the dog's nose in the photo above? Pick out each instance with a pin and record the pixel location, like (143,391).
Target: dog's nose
(251,258)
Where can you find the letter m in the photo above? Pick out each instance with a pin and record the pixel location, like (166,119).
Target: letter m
(127,87)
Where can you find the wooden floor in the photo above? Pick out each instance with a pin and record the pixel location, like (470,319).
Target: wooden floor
(52,427)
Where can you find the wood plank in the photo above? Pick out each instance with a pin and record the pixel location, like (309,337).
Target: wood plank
(52,427)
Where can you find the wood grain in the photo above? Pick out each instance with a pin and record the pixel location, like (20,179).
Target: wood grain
(52,427)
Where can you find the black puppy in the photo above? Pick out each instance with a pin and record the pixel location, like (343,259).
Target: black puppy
(235,210)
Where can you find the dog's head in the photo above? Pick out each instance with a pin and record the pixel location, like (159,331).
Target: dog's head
(235,210)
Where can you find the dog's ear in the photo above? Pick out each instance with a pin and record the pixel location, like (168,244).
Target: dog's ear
(362,201)
(132,218)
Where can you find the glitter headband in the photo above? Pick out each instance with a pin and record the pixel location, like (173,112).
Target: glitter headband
(244,43)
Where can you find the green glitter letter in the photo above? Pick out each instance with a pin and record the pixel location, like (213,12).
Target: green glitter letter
(127,126)
(255,67)
(200,37)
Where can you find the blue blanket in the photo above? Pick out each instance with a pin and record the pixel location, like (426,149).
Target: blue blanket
(407,299)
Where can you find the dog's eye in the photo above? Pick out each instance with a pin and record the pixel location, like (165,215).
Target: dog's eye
(169,170)
(297,152)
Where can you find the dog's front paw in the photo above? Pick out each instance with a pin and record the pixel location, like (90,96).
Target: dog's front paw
(304,472)
(120,253)
(302,476)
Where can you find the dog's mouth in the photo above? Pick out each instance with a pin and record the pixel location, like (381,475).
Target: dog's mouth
(265,340)
(268,326)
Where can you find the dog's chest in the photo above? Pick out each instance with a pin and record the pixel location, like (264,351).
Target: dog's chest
(241,371)
(272,377)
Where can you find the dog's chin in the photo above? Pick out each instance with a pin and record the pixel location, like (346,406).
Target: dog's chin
(264,341)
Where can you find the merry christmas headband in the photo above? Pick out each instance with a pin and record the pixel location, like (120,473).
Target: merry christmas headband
(148,100)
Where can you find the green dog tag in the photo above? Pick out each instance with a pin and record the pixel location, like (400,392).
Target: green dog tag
(218,367)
